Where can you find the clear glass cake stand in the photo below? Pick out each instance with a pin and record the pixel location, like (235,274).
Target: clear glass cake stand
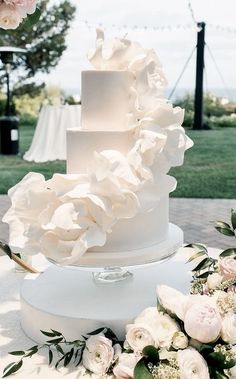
(118,267)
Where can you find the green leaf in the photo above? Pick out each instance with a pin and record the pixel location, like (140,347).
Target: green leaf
(141,371)
(225,231)
(48,334)
(15,367)
(68,357)
(151,353)
(32,19)
(219,361)
(59,349)
(233,218)
(6,249)
(17,352)
(228,252)
(197,246)
(199,254)
(50,356)
(203,264)
(56,333)
(97,331)
(55,341)
(8,366)
(205,274)
(221,224)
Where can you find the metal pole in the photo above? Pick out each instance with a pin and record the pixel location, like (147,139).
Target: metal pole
(8,104)
(198,103)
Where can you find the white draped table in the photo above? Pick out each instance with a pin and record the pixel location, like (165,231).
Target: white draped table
(49,141)
(12,337)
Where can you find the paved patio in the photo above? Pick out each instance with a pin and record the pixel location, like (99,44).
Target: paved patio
(194,216)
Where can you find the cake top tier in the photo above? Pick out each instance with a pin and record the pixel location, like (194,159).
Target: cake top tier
(107,100)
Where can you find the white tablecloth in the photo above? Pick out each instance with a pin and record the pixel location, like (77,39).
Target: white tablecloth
(49,141)
(12,336)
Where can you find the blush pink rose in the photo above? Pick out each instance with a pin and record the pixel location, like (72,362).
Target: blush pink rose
(227,267)
(23,6)
(10,17)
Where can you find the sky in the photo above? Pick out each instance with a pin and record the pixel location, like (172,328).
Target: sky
(173,44)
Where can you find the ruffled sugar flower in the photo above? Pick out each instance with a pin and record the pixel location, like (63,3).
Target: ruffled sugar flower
(192,365)
(98,354)
(126,364)
(227,267)
(122,54)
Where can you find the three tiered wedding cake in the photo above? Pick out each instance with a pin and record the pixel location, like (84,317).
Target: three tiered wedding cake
(111,208)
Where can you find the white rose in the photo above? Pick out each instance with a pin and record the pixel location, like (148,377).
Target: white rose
(180,340)
(126,364)
(228,332)
(202,321)
(138,336)
(10,17)
(172,300)
(214,280)
(162,325)
(98,354)
(192,365)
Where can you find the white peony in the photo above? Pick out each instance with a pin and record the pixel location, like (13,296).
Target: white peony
(138,336)
(228,332)
(179,341)
(202,320)
(126,364)
(192,365)
(214,280)
(172,300)
(98,354)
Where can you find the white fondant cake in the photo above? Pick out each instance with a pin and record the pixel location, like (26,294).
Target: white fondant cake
(112,206)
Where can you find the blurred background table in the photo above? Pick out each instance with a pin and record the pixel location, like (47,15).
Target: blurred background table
(49,141)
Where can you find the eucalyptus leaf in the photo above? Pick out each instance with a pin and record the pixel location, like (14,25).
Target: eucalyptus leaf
(233,218)
(48,334)
(205,274)
(228,252)
(151,353)
(197,255)
(97,331)
(17,352)
(197,246)
(6,249)
(226,231)
(55,340)
(203,264)
(15,367)
(59,349)
(141,371)
(50,356)
(56,333)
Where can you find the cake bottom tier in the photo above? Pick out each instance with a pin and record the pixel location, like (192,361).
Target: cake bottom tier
(69,300)
(149,254)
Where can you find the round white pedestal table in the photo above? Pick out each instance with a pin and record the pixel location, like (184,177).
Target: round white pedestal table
(173,272)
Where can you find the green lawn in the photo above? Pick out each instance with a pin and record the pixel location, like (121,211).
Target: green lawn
(209,170)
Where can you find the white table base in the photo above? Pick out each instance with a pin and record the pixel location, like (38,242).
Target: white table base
(70,301)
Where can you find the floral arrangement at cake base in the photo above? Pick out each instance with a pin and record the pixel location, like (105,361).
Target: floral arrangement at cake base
(185,337)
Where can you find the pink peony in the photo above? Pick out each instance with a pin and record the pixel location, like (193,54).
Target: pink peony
(10,17)
(228,267)
(23,6)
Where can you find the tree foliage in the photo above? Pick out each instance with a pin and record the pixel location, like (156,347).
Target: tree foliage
(45,42)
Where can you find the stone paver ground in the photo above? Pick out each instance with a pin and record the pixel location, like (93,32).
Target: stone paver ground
(194,216)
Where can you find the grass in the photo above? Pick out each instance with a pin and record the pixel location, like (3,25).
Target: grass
(208,171)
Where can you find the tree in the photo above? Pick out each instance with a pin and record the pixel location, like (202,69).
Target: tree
(45,43)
